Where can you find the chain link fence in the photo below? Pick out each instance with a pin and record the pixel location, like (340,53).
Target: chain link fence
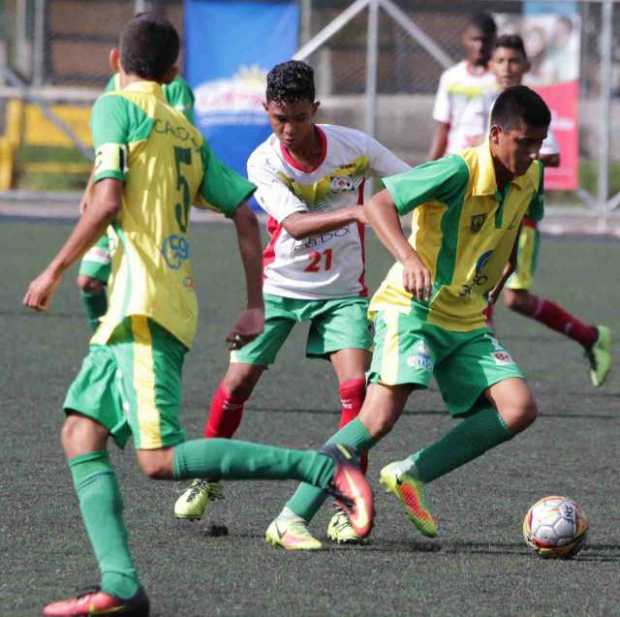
(56,52)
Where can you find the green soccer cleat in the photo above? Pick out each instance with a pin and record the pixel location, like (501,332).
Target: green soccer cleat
(340,530)
(410,491)
(292,535)
(191,505)
(599,356)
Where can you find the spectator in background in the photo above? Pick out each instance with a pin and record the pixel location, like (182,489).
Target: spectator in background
(460,121)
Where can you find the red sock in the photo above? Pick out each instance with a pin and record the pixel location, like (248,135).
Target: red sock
(556,318)
(352,394)
(224,414)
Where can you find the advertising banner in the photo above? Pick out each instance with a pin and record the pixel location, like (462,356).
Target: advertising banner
(552,43)
(230,46)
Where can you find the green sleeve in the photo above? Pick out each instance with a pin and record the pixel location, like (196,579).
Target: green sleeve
(222,188)
(180,96)
(536,209)
(442,180)
(110,129)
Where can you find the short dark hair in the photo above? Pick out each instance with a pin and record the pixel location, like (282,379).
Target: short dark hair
(511,41)
(520,104)
(484,22)
(149,46)
(290,81)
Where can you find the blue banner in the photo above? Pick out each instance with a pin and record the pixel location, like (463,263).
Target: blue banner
(230,46)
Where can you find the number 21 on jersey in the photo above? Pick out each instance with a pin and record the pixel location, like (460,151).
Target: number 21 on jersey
(319,261)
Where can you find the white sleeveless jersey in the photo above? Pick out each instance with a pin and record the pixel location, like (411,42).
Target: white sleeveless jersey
(331,264)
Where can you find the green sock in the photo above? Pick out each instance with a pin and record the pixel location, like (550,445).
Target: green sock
(307,500)
(241,460)
(473,436)
(96,305)
(101,506)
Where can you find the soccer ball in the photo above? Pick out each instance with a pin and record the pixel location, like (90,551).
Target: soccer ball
(555,527)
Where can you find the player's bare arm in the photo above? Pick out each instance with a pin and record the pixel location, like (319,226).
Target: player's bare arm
(252,320)
(383,218)
(105,206)
(440,141)
(303,224)
(87,195)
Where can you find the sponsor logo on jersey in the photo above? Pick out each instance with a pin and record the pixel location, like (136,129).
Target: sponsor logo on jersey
(502,358)
(478,277)
(175,250)
(420,357)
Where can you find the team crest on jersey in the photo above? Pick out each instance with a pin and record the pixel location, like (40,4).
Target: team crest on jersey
(341,184)
(420,357)
(476,222)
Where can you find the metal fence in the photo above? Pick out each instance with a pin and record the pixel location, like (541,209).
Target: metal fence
(377,65)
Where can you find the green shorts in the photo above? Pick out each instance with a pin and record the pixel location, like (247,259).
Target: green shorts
(96,262)
(527,258)
(334,325)
(465,364)
(132,385)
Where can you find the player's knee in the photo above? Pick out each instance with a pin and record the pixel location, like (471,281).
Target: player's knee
(81,435)
(378,424)
(518,301)
(521,414)
(90,285)
(240,381)
(156,464)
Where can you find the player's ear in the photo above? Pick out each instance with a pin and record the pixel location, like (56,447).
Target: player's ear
(114,58)
(494,133)
(527,65)
(170,74)
(265,105)
(315,107)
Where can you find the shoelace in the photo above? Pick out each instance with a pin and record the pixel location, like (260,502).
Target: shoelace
(213,489)
(343,520)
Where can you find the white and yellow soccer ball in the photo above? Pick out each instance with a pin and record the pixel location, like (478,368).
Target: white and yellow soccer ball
(555,527)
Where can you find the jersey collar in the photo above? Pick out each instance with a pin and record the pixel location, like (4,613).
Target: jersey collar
(146,87)
(306,168)
(485,183)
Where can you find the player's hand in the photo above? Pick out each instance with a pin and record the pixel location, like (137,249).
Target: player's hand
(41,290)
(249,325)
(417,278)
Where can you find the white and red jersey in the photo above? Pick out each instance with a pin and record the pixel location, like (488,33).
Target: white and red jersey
(460,103)
(330,264)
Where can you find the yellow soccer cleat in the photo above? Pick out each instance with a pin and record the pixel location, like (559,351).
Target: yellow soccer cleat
(599,356)
(341,531)
(410,491)
(292,535)
(191,505)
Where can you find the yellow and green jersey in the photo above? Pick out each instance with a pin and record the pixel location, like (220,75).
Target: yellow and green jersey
(177,93)
(166,166)
(463,229)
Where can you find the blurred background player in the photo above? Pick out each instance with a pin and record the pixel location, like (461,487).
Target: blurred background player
(130,383)
(508,64)
(310,181)
(94,271)
(457,112)
(467,209)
